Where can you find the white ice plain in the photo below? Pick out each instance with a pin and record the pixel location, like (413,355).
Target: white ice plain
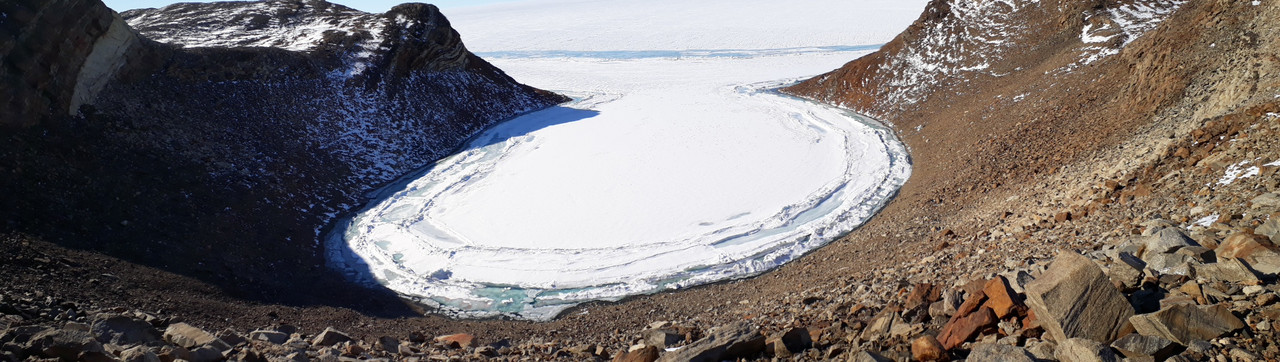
(671,168)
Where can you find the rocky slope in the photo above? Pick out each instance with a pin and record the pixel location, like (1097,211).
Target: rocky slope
(224,160)
(1093,181)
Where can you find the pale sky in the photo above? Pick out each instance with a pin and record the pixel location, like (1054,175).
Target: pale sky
(373,6)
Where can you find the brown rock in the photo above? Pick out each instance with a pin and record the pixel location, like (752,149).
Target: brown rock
(1001,298)
(927,348)
(1062,216)
(923,294)
(794,340)
(962,329)
(1254,249)
(460,340)
(1186,323)
(1074,299)
(646,354)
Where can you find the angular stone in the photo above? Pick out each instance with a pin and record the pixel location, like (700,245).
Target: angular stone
(927,349)
(1041,350)
(1074,299)
(1270,229)
(1256,250)
(1228,270)
(460,340)
(792,341)
(923,294)
(121,330)
(959,330)
(1169,263)
(646,354)
(231,337)
(1001,298)
(206,354)
(880,326)
(1084,350)
(1266,200)
(275,337)
(1137,346)
(739,339)
(139,354)
(1187,323)
(991,352)
(389,344)
(64,344)
(190,337)
(1127,271)
(1165,241)
(662,338)
(868,356)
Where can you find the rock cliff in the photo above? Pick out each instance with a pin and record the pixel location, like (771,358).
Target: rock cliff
(218,139)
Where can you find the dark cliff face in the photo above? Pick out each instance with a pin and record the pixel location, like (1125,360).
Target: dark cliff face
(219,139)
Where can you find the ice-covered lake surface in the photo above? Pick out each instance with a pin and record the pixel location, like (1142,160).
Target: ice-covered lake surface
(677,163)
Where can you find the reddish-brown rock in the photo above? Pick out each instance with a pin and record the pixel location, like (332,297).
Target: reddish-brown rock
(960,330)
(1001,298)
(460,340)
(927,348)
(646,354)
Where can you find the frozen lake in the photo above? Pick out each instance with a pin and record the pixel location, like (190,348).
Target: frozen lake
(677,164)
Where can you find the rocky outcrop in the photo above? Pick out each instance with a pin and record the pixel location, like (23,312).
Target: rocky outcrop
(219,139)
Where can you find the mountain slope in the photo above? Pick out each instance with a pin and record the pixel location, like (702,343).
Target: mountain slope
(225,160)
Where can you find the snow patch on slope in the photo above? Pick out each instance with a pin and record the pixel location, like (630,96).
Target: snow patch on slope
(1108,31)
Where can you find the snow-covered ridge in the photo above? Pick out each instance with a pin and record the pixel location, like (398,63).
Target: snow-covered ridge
(288,25)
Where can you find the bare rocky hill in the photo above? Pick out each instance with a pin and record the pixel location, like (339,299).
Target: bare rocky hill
(1092,181)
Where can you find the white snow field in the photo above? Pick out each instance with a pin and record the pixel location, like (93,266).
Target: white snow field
(671,168)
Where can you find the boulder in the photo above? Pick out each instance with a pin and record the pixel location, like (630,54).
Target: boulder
(121,330)
(206,354)
(964,328)
(927,349)
(1084,350)
(1127,271)
(190,337)
(662,338)
(1074,299)
(389,344)
(1271,199)
(784,344)
(923,294)
(1186,323)
(1270,229)
(1135,346)
(271,336)
(737,340)
(879,326)
(460,340)
(1165,241)
(646,354)
(1001,298)
(1230,270)
(992,352)
(64,344)
(1041,350)
(1256,250)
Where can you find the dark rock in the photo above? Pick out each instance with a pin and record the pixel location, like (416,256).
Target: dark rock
(389,344)
(1074,299)
(736,340)
(124,331)
(231,337)
(1136,346)
(868,356)
(662,338)
(1187,323)
(784,344)
(1127,271)
(991,352)
(64,344)
(1084,350)
(923,294)
(206,354)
